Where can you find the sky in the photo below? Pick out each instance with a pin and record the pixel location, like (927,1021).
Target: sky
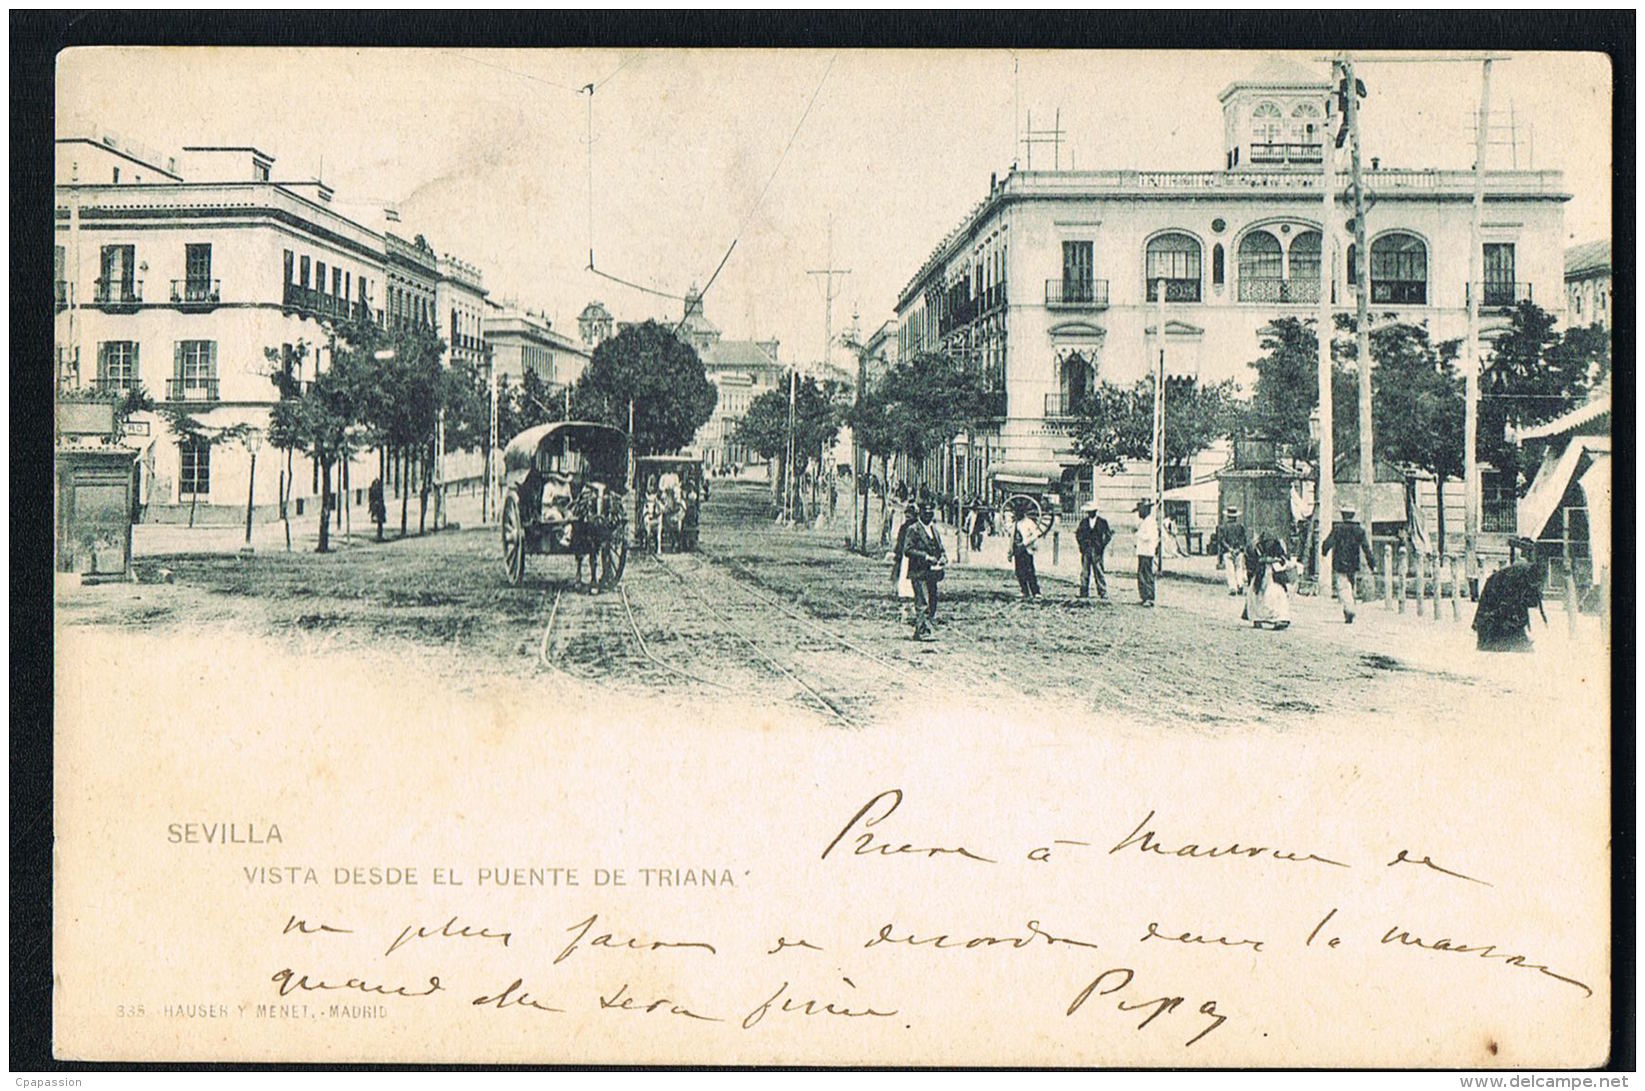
(486,152)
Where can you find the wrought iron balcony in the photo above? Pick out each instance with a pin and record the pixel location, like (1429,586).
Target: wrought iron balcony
(1501,294)
(114,294)
(1285,153)
(201,293)
(1063,403)
(1176,291)
(108,384)
(1399,291)
(1278,290)
(191,390)
(1077,294)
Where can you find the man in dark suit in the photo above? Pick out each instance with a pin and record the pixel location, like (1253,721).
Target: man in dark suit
(1093,536)
(1346,544)
(927,560)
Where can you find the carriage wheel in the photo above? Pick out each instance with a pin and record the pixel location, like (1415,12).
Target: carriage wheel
(620,545)
(514,543)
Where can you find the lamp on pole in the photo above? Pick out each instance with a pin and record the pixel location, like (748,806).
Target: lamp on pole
(254,443)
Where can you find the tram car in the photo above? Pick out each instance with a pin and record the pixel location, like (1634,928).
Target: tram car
(563,492)
(668,495)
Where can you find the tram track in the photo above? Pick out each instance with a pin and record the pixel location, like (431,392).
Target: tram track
(561,663)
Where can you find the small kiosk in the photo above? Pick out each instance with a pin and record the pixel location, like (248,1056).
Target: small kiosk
(94,493)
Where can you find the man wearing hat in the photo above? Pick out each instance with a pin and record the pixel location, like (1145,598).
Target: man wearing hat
(1346,544)
(1147,546)
(1231,542)
(926,561)
(1093,536)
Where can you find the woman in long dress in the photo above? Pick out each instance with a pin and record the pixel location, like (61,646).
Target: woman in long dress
(1266,601)
(1503,617)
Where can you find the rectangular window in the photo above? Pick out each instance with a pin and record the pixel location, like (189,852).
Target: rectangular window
(117,365)
(193,372)
(290,263)
(337,282)
(197,262)
(1077,268)
(60,288)
(1499,274)
(303,269)
(259,172)
(194,477)
(320,277)
(118,281)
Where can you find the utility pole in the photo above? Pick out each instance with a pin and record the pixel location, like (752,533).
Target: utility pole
(488,501)
(1159,436)
(828,273)
(1367,462)
(1470,428)
(790,487)
(1325,495)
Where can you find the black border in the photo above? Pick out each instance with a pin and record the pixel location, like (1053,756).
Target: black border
(37,36)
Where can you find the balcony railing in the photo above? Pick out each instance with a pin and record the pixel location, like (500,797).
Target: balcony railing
(1063,403)
(196,292)
(1399,291)
(108,384)
(1285,153)
(1176,291)
(191,390)
(1495,293)
(1278,290)
(1083,294)
(317,302)
(118,293)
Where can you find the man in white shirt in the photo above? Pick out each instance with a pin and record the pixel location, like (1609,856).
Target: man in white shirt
(1147,545)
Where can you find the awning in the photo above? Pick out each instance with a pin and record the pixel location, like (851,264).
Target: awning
(1027,473)
(1596,489)
(1200,491)
(1542,499)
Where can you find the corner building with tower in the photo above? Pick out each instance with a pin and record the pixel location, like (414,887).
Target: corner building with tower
(1048,286)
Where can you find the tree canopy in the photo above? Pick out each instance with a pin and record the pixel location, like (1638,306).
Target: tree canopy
(660,375)
(1534,374)
(1115,424)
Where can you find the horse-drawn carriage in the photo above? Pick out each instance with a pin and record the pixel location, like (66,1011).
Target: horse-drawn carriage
(563,492)
(668,495)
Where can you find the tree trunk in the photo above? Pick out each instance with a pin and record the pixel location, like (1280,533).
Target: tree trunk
(405,491)
(325,508)
(867,494)
(1439,505)
(422,499)
(193,499)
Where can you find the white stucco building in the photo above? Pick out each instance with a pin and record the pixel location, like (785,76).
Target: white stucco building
(1047,285)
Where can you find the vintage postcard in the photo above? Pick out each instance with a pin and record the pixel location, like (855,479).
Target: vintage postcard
(811,557)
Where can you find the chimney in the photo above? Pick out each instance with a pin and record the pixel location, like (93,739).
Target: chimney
(1376,163)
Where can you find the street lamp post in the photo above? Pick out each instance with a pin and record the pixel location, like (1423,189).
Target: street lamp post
(254,442)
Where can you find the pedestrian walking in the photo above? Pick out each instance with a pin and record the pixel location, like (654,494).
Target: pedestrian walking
(1093,535)
(1231,542)
(1266,600)
(927,563)
(978,523)
(900,583)
(1347,544)
(1503,616)
(1025,533)
(379,509)
(1147,543)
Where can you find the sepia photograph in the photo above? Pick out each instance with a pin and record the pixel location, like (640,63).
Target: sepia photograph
(981,557)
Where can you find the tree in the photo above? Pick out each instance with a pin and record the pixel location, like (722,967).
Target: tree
(929,398)
(819,410)
(1533,375)
(872,425)
(647,367)
(1417,405)
(319,416)
(1287,387)
(1115,424)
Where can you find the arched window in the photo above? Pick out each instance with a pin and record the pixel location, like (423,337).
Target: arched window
(1077,375)
(1305,124)
(1267,125)
(1353,263)
(1399,269)
(1174,258)
(1302,278)
(1261,269)
(1217,276)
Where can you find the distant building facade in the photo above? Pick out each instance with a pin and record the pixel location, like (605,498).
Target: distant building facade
(740,371)
(1588,284)
(1048,286)
(522,340)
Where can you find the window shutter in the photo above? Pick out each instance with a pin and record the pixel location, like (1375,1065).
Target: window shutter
(177,362)
(102,361)
(135,373)
(211,360)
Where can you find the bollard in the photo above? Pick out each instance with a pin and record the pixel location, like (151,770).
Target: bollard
(1570,601)
(1387,576)
(1457,565)
(1422,582)
(1403,562)
(1056,546)
(1439,582)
